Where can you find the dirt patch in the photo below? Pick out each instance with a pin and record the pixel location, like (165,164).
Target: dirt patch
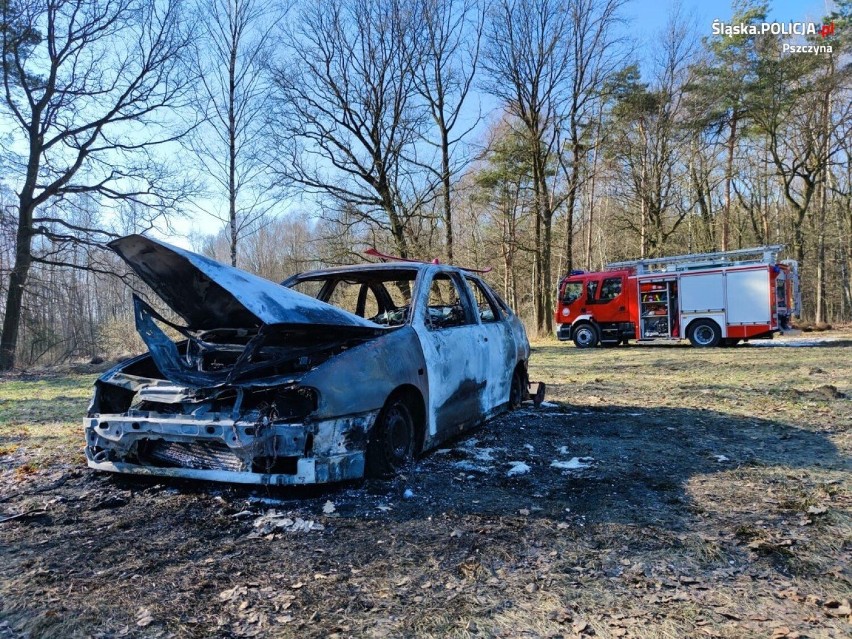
(661,492)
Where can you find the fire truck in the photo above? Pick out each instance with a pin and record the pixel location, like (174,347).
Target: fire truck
(711,299)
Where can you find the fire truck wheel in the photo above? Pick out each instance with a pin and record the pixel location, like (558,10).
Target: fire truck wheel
(704,333)
(585,336)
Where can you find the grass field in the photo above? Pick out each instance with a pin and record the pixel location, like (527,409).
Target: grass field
(670,492)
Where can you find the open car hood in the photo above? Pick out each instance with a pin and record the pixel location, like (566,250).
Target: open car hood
(211,295)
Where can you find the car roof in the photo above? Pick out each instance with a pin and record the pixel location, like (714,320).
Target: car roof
(378,268)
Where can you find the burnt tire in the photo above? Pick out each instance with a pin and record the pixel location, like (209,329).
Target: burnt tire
(585,336)
(516,390)
(704,334)
(392,440)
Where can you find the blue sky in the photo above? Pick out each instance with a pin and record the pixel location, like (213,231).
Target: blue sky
(645,20)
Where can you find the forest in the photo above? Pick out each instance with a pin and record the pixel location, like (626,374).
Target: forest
(534,136)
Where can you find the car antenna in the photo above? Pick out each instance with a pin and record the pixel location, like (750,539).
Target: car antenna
(386,258)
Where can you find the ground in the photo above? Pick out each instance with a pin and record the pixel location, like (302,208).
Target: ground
(663,491)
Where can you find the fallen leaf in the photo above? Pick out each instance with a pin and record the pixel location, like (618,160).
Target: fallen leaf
(328,507)
(232,593)
(144,617)
(836,608)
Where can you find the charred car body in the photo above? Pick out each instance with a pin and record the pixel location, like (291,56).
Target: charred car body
(333,375)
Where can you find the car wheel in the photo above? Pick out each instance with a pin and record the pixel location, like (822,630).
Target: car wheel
(704,334)
(516,390)
(585,336)
(392,438)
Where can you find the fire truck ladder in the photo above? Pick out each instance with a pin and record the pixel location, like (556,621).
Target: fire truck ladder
(757,255)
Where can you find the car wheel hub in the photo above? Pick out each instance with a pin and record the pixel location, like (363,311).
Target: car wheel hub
(398,436)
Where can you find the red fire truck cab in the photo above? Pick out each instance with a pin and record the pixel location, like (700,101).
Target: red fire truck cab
(712,299)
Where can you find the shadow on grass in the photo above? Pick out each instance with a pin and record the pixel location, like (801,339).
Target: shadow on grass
(636,493)
(638,462)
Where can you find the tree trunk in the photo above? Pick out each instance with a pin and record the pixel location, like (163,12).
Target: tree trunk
(571,204)
(729,176)
(844,244)
(232,142)
(820,310)
(537,275)
(547,302)
(820,305)
(17,282)
(445,177)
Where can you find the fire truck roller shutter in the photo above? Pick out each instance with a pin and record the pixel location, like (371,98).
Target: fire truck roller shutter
(702,298)
(748,297)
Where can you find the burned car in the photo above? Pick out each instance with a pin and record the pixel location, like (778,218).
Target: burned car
(333,375)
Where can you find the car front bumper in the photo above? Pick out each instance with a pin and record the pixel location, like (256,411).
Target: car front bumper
(308,471)
(224,450)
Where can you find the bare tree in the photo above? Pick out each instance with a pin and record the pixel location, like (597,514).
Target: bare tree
(234,50)
(527,62)
(594,55)
(652,142)
(451,35)
(502,181)
(346,119)
(87,106)
(794,130)
(720,95)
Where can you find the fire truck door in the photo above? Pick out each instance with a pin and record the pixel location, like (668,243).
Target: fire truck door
(573,301)
(611,300)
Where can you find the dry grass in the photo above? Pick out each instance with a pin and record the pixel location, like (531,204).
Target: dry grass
(41,420)
(659,538)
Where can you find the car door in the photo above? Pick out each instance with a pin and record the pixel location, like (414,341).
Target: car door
(456,354)
(500,345)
